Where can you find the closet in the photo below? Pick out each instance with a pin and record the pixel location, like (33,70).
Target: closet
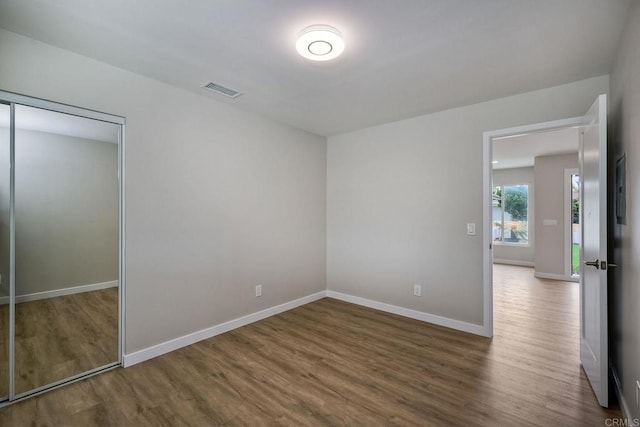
(61,244)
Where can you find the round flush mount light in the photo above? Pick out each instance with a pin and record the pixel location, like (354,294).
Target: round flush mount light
(320,43)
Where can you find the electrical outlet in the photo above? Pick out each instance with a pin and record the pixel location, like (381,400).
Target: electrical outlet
(258,290)
(417,290)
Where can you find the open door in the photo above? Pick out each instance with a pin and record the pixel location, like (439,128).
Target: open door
(593,271)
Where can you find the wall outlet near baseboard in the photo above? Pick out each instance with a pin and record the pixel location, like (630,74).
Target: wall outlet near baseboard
(258,290)
(417,290)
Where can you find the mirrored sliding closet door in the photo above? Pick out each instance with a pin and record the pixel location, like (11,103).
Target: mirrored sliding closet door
(60,246)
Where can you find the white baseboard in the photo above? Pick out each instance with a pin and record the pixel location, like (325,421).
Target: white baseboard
(413,314)
(623,403)
(554,276)
(192,338)
(514,262)
(60,292)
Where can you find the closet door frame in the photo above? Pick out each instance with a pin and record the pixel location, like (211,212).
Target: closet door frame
(13,99)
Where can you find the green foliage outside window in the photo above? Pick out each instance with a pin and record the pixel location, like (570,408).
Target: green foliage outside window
(515,202)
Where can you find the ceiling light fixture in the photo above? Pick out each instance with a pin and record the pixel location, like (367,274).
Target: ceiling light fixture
(320,43)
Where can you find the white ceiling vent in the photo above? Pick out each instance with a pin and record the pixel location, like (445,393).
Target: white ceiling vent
(221,90)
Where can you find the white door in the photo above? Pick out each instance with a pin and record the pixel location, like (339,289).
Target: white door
(593,272)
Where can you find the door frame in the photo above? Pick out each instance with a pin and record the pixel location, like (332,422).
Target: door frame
(17,99)
(487,179)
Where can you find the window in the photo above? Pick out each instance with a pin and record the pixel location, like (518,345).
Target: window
(511,214)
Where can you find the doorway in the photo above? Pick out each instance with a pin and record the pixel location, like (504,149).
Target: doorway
(531,199)
(489,208)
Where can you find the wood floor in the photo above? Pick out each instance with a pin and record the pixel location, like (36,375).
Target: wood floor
(60,337)
(334,363)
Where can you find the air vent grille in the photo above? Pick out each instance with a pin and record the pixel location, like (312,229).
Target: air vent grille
(221,90)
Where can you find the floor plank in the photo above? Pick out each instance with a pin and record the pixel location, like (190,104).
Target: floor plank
(334,363)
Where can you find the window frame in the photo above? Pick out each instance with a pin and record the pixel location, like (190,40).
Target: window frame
(502,191)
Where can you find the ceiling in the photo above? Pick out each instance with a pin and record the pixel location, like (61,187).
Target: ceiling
(402,58)
(520,151)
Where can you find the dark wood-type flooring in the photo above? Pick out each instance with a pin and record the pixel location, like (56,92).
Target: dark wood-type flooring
(334,363)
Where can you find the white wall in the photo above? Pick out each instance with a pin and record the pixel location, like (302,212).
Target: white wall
(551,240)
(217,200)
(517,254)
(400,195)
(624,286)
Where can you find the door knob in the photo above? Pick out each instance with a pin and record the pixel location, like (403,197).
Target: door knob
(595,264)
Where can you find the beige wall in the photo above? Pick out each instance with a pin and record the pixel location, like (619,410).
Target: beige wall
(400,196)
(217,200)
(624,286)
(517,254)
(551,240)
(66,212)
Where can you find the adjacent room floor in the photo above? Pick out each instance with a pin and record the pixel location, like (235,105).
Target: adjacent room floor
(334,363)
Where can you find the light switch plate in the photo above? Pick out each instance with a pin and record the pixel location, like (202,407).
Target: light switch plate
(471,229)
